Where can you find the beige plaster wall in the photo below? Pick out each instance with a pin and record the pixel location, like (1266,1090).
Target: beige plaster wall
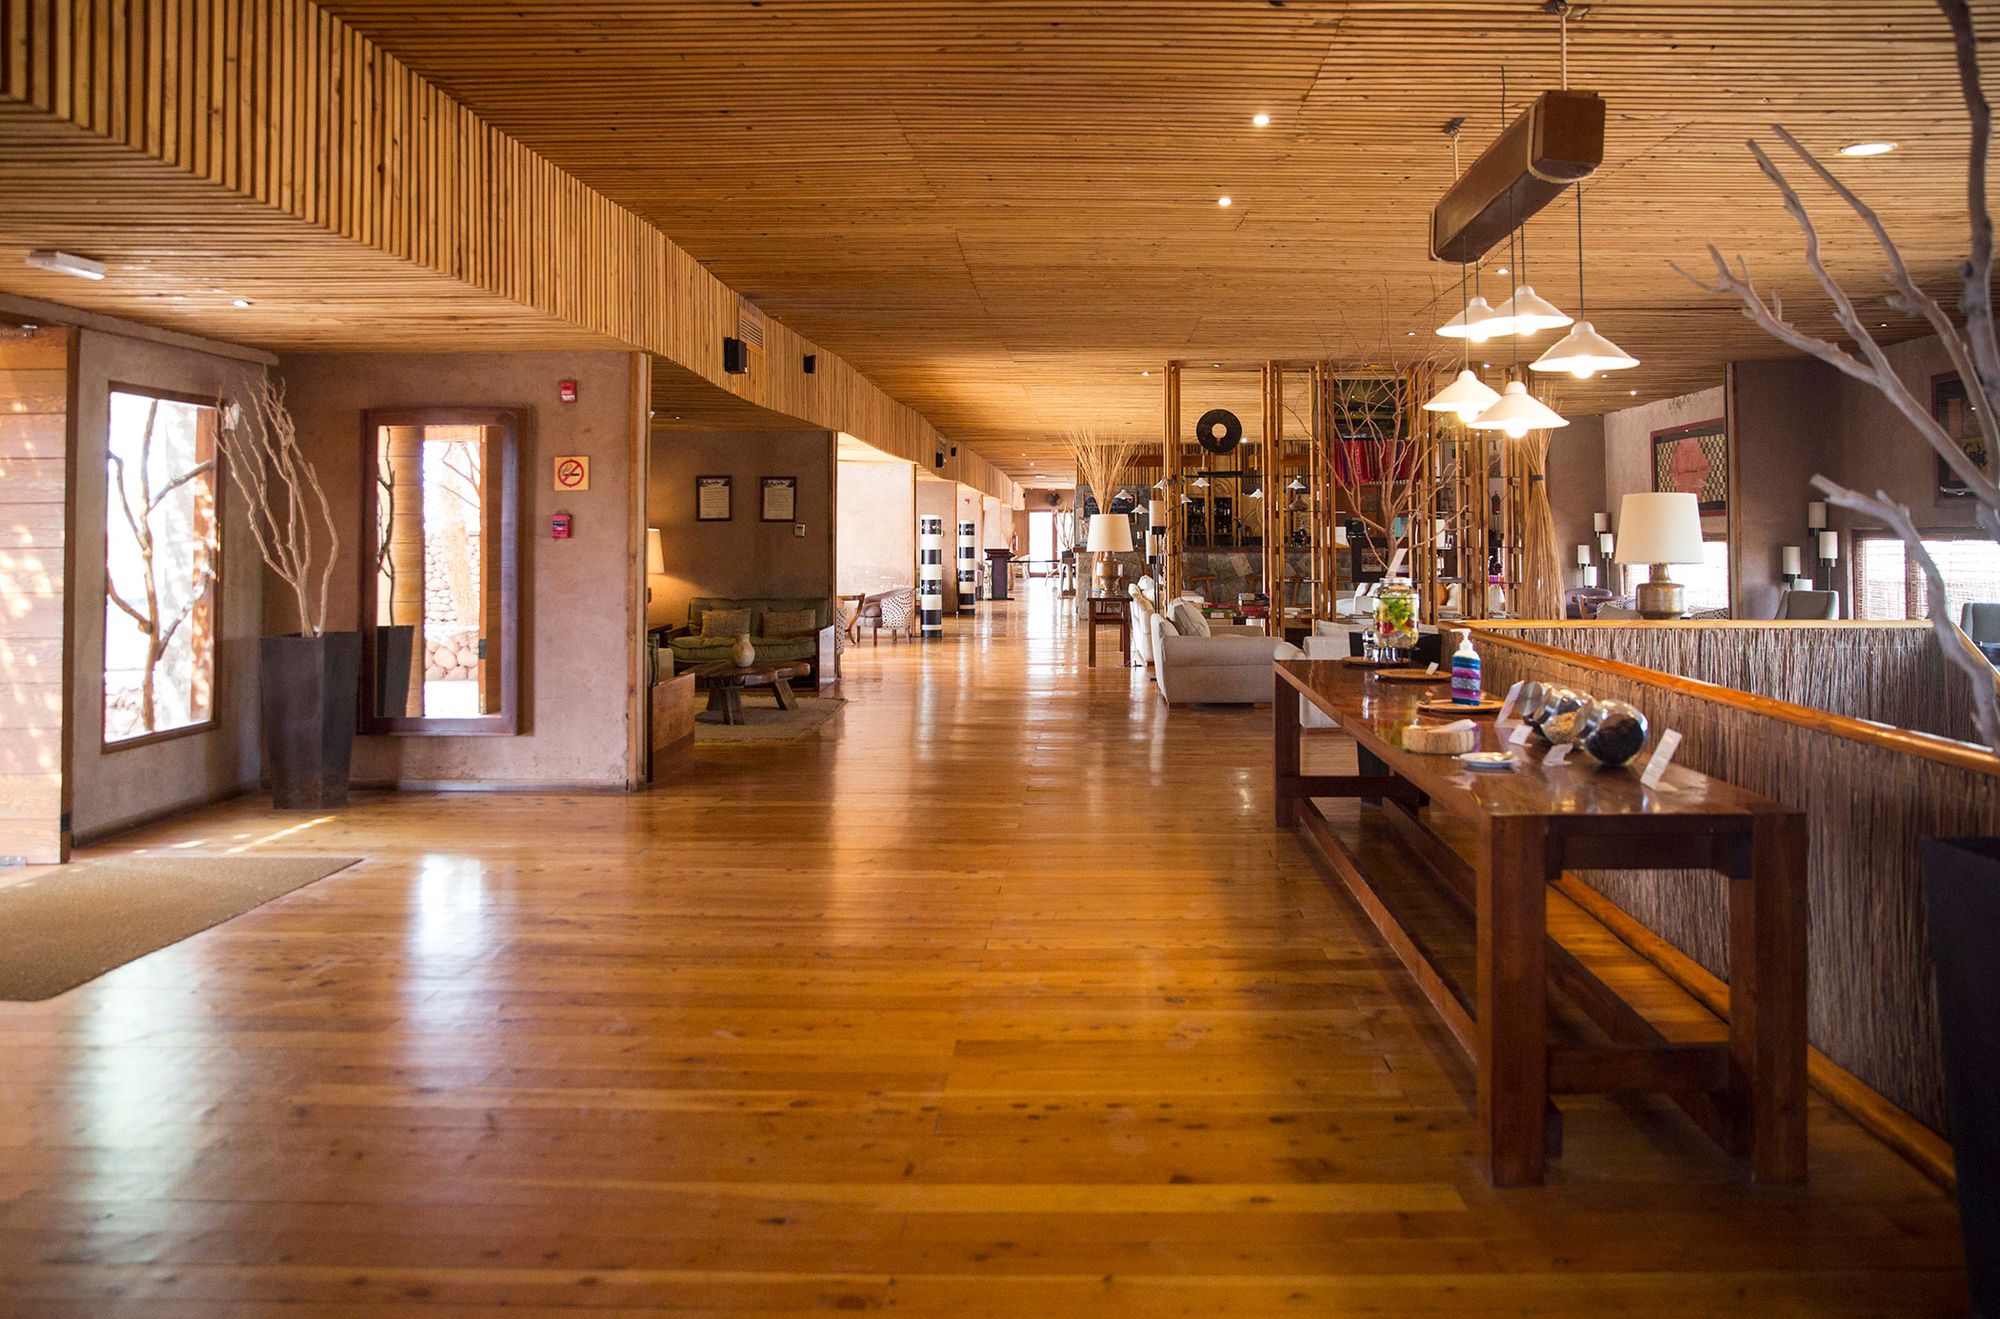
(876,527)
(574,594)
(744,556)
(117,787)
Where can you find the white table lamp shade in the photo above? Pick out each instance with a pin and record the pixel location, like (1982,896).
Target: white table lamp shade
(1791,557)
(656,553)
(1110,533)
(1659,528)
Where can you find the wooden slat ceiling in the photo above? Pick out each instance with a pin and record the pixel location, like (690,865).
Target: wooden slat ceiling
(1004,211)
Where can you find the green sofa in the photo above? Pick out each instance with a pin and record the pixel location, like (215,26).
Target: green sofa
(695,648)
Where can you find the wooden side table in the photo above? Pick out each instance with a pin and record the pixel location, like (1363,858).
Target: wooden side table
(1111,609)
(724,683)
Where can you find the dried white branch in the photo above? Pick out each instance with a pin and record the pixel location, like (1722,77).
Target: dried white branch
(287,503)
(1957,647)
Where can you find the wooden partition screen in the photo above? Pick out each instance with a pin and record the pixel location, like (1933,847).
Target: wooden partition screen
(1870,792)
(34,531)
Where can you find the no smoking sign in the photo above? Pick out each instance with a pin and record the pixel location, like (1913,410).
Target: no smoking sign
(572,472)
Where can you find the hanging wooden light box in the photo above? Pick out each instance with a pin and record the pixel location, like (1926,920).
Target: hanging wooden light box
(1557,140)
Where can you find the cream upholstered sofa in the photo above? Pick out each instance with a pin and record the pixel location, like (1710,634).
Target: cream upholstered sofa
(1145,595)
(1212,666)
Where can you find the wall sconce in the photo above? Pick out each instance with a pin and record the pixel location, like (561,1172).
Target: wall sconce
(1605,544)
(1816,516)
(1829,548)
(1600,522)
(1793,569)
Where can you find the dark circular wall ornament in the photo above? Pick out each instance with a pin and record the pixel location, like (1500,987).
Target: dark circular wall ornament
(1219,430)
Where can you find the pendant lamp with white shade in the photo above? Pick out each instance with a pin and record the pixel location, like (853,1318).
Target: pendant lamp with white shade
(1468,396)
(1477,323)
(1528,312)
(1517,413)
(1583,352)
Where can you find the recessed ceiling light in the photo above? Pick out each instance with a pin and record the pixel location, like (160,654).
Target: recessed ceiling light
(1501,271)
(1635,393)
(1225,201)
(1261,120)
(66,263)
(240,302)
(1868,148)
(1145,373)
(1216,365)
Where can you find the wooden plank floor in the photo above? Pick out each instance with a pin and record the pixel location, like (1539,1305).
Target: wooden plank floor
(999,996)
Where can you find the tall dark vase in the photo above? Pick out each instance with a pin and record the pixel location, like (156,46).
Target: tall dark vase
(1962,884)
(310,687)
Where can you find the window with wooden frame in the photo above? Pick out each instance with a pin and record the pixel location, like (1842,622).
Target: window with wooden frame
(440,625)
(1888,584)
(162,565)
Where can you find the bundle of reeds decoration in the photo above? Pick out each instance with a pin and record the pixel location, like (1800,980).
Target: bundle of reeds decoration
(1101,464)
(1540,591)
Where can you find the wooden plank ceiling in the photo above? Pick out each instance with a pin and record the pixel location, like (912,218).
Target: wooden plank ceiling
(1003,212)
(259,172)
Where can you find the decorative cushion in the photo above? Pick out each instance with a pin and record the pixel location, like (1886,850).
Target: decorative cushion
(790,622)
(1188,620)
(725,622)
(1167,628)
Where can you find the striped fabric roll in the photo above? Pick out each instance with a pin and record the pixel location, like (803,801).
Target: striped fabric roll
(930,576)
(968,567)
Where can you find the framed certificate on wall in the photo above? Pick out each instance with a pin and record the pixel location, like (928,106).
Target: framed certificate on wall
(781,498)
(711,499)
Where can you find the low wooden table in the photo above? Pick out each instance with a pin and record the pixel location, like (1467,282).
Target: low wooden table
(1116,609)
(724,683)
(1528,826)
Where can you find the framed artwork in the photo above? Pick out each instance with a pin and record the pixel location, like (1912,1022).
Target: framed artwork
(712,499)
(780,498)
(1694,460)
(1953,410)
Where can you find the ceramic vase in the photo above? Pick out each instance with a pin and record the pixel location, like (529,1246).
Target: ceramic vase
(743,654)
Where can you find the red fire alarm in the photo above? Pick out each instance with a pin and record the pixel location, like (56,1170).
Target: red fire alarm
(566,389)
(559,526)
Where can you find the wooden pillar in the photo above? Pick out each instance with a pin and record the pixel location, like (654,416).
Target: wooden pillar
(1270,483)
(1170,467)
(402,466)
(35,485)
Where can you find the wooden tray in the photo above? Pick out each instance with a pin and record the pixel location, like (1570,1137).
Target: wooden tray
(1362,662)
(1410,675)
(1487,705)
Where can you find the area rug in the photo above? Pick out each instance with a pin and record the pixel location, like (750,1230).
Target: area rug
(78,921)
(764,722)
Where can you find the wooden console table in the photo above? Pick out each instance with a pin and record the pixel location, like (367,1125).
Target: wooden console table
(1526,828)
(1116,610)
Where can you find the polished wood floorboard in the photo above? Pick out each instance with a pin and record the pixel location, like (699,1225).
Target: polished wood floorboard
(997,996)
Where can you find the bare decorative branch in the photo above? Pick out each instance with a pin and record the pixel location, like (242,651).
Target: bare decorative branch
(288,507)
(1972,350)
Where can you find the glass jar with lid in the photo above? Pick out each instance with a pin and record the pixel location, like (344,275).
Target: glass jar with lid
(1396,617)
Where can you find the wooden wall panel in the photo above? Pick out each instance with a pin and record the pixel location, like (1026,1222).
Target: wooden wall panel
(278,103)
(34,487)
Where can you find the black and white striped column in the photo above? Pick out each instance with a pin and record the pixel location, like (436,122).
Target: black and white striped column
(930,576)
(968,567)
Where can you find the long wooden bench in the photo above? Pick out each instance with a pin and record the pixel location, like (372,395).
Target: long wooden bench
(1453,868)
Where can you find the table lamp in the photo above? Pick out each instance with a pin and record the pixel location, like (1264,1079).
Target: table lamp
(1110,533)
(1658,530)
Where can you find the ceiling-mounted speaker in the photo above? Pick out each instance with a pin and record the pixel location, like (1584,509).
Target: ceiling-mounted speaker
(735,357)
(1219,430)
(1055,500)
(811,364)
(1557,140)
